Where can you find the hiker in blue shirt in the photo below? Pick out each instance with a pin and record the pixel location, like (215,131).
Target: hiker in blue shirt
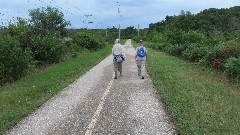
(140,59)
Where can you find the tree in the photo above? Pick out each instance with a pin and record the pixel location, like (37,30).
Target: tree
(129,32)
(112,34)
(48,21)
(22,30)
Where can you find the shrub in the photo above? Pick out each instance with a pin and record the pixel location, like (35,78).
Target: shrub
(157,46)
(174,37)
(235,41)
(232,67)
(217,63)
(195,52)
(1,72)
(228,51)
(150,45)
(210,56)
(193,37)
(164,46)
(88,40)
(177,49)
(14,62)
(158,38)
(219,55)
(22,30)
(182,37)
(71,49)
(47,49)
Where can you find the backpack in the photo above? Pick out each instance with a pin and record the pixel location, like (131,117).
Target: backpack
(141,52)
(119,59)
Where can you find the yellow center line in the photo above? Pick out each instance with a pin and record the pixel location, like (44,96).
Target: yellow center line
(99,109)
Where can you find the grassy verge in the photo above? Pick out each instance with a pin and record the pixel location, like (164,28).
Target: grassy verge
(123,41)
(18,99)
(199,101)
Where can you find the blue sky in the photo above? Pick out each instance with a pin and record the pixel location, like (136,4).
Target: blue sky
(105,12)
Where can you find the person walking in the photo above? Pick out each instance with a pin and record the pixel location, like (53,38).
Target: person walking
(140,59)
(118,57)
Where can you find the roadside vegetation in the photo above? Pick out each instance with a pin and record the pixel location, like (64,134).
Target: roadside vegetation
(198,99)
(210,38)
(195,65)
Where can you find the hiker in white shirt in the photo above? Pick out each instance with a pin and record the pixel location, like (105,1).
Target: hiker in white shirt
(140,59)
(118,57)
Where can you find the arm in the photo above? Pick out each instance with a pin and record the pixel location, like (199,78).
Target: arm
(146,53)
(135,58)
(112,52)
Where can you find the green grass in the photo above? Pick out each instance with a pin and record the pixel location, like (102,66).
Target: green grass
(20,98)
(122,41)
(199,100)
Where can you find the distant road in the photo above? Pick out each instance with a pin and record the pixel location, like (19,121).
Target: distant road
(98,104)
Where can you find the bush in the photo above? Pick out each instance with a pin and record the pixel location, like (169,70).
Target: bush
(210,56)
(14,62)
(232,67)
(88,40)
(228,51)
(47,49)
(194,37)
(1,72)
(174,37)
(72,49)
(156,46)
(195,52)
(235,41)
(158,38)
(219,55)
(182,37)
(176,49)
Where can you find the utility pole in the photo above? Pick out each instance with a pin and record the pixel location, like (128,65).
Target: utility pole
(107,31)
(119,21)
(119,32)
(87,15)
(138,30)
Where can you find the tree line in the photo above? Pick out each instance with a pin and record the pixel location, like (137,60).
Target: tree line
(210,37)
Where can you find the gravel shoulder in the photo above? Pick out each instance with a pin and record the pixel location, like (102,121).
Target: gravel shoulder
(127,105)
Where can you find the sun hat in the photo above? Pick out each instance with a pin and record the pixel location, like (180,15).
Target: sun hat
(117,41)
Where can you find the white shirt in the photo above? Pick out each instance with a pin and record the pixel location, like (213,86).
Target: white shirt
(118,49)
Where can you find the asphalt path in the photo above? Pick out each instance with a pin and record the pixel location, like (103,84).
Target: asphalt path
(98,104)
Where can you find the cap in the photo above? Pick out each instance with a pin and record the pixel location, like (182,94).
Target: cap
(117,41)
(140,40)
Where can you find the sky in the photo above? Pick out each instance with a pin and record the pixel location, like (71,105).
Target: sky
(109,13)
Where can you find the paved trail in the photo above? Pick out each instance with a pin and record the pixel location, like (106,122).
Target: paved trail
(98,104)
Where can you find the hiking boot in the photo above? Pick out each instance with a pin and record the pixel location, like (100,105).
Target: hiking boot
(115,77)
(142,77)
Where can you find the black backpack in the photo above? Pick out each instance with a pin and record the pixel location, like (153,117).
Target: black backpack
(119,58)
